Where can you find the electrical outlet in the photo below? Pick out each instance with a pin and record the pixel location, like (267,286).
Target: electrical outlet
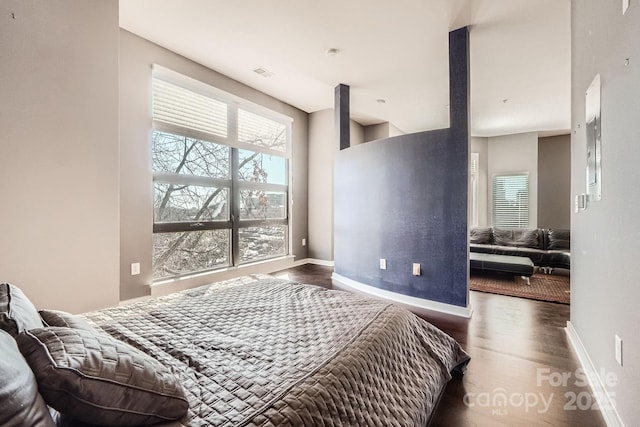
(416,269)
(383,264)
(619,350)
(304,242)
(135,268)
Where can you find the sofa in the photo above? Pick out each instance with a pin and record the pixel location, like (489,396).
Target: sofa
(548,248)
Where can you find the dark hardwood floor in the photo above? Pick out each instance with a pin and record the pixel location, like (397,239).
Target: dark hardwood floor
(523,371)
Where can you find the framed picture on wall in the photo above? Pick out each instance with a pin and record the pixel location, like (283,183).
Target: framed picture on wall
(594,140)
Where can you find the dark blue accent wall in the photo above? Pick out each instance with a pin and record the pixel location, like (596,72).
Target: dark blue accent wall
(405,199)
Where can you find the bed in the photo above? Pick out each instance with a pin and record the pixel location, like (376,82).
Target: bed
(263,351)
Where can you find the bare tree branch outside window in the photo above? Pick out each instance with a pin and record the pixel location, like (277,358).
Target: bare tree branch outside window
(177,253)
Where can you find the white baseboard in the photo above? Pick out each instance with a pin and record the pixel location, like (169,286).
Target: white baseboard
(417,305)
(606,405)
(315,261)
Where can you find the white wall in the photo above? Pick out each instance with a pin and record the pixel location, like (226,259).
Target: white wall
(605,238)
(395,131)
(514,154)
(59,220)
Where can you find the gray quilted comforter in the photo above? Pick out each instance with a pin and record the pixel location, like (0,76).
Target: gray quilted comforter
(260,351)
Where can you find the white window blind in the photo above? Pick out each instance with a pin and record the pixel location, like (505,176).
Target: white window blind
(178,106)
(261,131)
(511,201)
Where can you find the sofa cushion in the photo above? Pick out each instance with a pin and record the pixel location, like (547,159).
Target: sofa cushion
(527,239)
(20,402)
(503,236)
(92,376)
(17,313)
(480,236)
(558,239)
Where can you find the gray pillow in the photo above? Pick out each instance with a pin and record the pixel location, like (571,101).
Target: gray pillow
(64,319)
(92,376)
(17,313)
(527,239)
(480,236)
(503,237)
(20,402)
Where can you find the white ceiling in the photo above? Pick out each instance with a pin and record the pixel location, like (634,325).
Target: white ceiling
(397,51)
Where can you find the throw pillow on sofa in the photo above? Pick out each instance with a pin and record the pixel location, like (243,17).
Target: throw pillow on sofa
(481,236)
(527,239)
(559,239)
(503,236)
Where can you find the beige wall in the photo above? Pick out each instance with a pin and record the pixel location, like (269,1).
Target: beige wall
(554,182)
(136,58)
(59,151)
(380,131)
(514,154)
(322,148)
(356,133)
(377,131)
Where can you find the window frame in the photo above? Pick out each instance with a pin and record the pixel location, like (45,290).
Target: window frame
(513,224)
(234,185)
(474,178)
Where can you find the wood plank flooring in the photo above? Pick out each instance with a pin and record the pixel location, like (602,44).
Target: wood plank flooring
(523,371)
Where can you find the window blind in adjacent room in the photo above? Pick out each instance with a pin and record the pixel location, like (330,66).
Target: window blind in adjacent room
(511,201)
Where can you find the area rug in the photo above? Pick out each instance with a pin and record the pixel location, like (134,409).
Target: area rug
(543,287)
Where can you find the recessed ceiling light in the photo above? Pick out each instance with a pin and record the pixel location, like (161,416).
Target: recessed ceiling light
(263,72)
(331,52)
(381,101)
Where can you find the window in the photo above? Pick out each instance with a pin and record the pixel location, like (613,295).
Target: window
(220,179)
(511,201)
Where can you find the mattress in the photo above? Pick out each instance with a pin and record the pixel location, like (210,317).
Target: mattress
(262,351)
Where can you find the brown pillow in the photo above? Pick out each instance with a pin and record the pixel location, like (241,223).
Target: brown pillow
(20,402)
(17,313)
(92,376)
(64,319)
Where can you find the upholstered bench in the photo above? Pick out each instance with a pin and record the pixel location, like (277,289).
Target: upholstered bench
(518,265)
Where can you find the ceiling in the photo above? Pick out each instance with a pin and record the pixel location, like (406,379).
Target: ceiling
(396,51)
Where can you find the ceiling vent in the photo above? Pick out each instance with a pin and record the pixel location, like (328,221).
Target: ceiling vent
(263,72)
